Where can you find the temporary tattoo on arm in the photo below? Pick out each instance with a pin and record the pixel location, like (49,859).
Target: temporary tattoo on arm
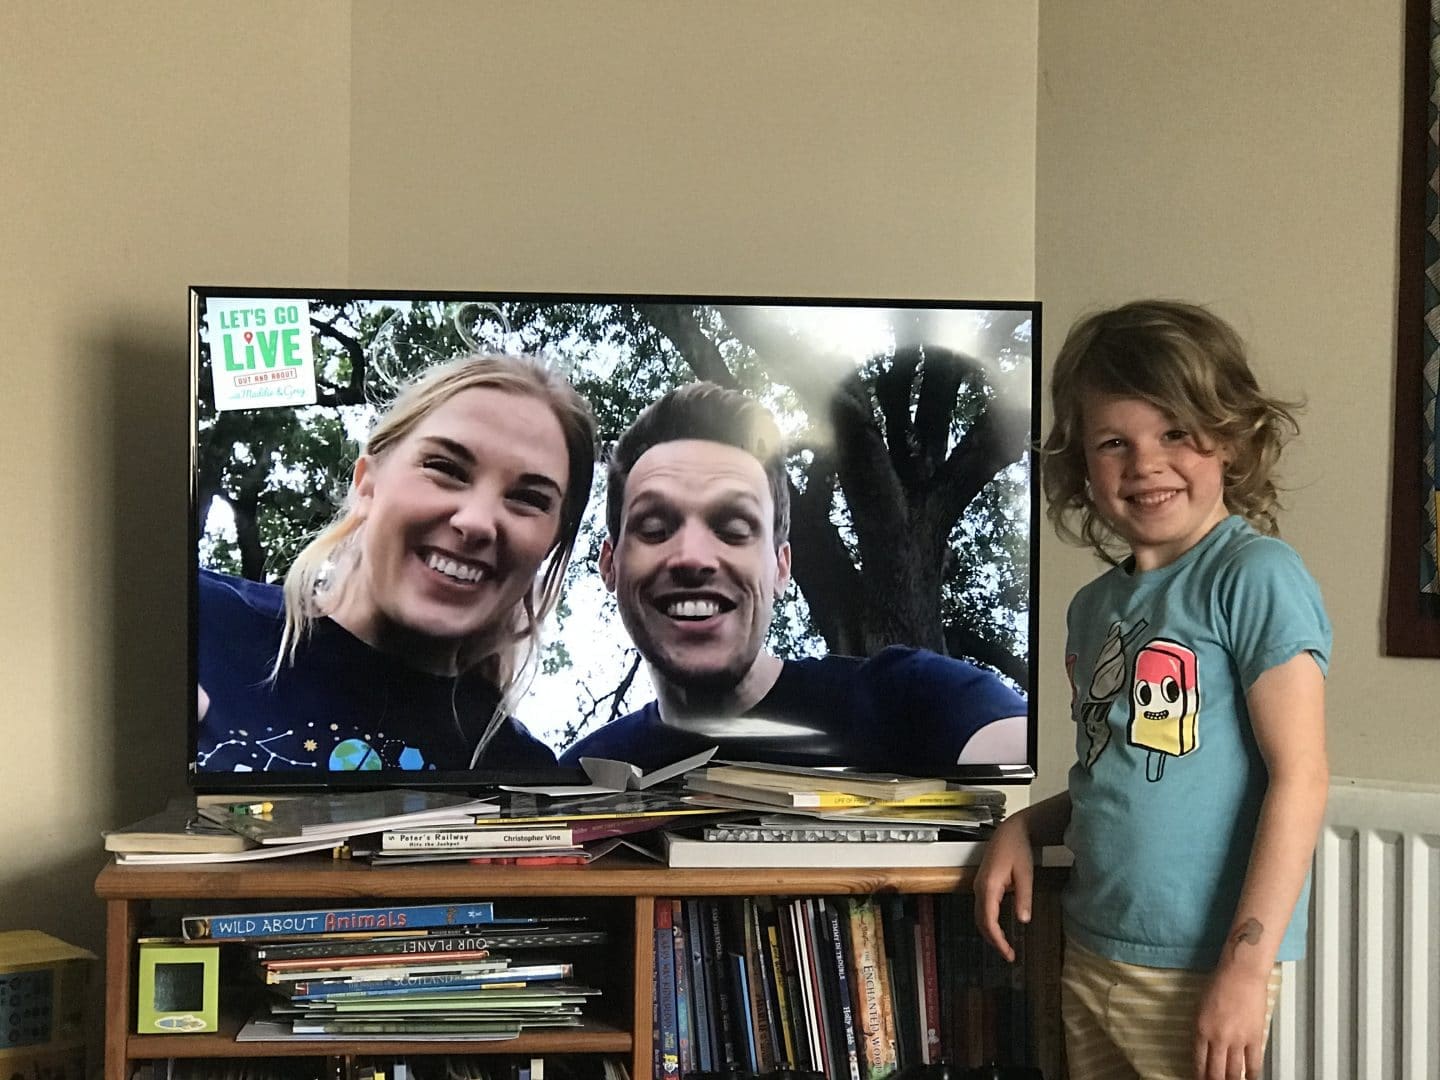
(1247,933)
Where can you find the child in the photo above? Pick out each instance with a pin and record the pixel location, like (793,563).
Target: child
(1196,668)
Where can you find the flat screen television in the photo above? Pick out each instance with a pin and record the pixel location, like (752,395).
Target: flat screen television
(907,434)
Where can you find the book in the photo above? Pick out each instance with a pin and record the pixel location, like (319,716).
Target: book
(929,977)
(340,815)
(523,808)
(324,989)
(177,828)
(609,777)
(667,1046)
(682,986)
(683,851)
(824,832)
(695,937)
(975,807)
(438,940)
(844,994)
(434,964)
(757,969)
(274,970)
(721,988)
(501,837)
(871,785)
(243,925)
(871,991)
(251,853)
(805,992)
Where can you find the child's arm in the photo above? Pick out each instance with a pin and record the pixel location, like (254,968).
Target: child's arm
(1287,713)
(1009,863)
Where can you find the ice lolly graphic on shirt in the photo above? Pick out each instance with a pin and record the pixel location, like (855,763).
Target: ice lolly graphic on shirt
(1164,704)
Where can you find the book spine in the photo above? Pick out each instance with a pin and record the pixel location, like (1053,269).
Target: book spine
(390,967)
(843,993)
(757,969)
(900,959)
(681,961)
(805,992)
(770,926)
(929,977)
(332,920)
(365,947)
(790,973)
(703,1020)
(822,988)
(474,839)
(330,988)
(871,990)
(720,983)
(668,1044)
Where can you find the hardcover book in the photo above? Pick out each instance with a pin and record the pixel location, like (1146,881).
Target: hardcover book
(340,815)
(177,828)
(682,851)
(870,785)
(337,920)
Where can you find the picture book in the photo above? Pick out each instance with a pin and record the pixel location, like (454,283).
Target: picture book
(177,828)
(872,785)
(684,851)
(340,815)
(332,920)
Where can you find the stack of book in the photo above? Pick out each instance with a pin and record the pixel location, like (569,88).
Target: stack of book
(852,988)
(527,826)
(798,816)
(235,830)
(428,970)
(535,830)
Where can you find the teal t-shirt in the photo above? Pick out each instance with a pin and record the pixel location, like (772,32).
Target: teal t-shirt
(1168,781)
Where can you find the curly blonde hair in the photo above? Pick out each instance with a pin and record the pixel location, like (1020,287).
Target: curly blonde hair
(1189,363)
(506,655)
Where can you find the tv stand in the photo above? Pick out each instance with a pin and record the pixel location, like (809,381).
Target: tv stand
(619,892)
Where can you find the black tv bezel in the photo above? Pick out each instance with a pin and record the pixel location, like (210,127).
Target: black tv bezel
(487,780)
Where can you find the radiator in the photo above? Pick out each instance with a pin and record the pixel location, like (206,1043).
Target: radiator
(1364,1004)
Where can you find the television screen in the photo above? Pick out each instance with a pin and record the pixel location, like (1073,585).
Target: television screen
(458,540)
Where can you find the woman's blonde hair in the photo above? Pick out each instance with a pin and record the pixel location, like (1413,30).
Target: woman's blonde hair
(506,655)
(1190,364)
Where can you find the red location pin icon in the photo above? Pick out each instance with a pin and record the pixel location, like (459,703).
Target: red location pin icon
(249,337)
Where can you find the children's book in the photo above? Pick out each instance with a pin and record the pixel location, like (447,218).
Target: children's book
(263,924)
(610,777)
(340,815)
(177,828)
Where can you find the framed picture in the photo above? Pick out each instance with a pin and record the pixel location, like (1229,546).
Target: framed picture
(1412,615)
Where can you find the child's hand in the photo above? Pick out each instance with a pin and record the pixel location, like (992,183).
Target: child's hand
(1008,864)
(1230,1025)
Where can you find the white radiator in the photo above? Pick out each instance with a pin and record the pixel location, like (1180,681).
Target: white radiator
(1364,1004)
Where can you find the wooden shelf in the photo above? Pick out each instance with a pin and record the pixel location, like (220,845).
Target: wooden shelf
(592,1037)
(620,890)
(616,875)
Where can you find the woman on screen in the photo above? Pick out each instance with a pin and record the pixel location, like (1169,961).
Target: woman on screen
(406,629)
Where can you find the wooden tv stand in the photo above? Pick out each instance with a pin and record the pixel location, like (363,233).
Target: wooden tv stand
(618,891)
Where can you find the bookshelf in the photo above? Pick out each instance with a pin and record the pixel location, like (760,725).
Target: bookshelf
(619,893)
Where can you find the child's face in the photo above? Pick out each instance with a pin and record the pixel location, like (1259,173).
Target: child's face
(1150,479)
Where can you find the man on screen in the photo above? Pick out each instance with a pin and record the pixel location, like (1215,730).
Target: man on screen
(698,515)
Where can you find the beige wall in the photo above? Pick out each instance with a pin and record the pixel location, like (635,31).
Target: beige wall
(866,148)
(1235,153)
(143,148)
(1246,155)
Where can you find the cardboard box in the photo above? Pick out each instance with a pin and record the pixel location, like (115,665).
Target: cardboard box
(44,997)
